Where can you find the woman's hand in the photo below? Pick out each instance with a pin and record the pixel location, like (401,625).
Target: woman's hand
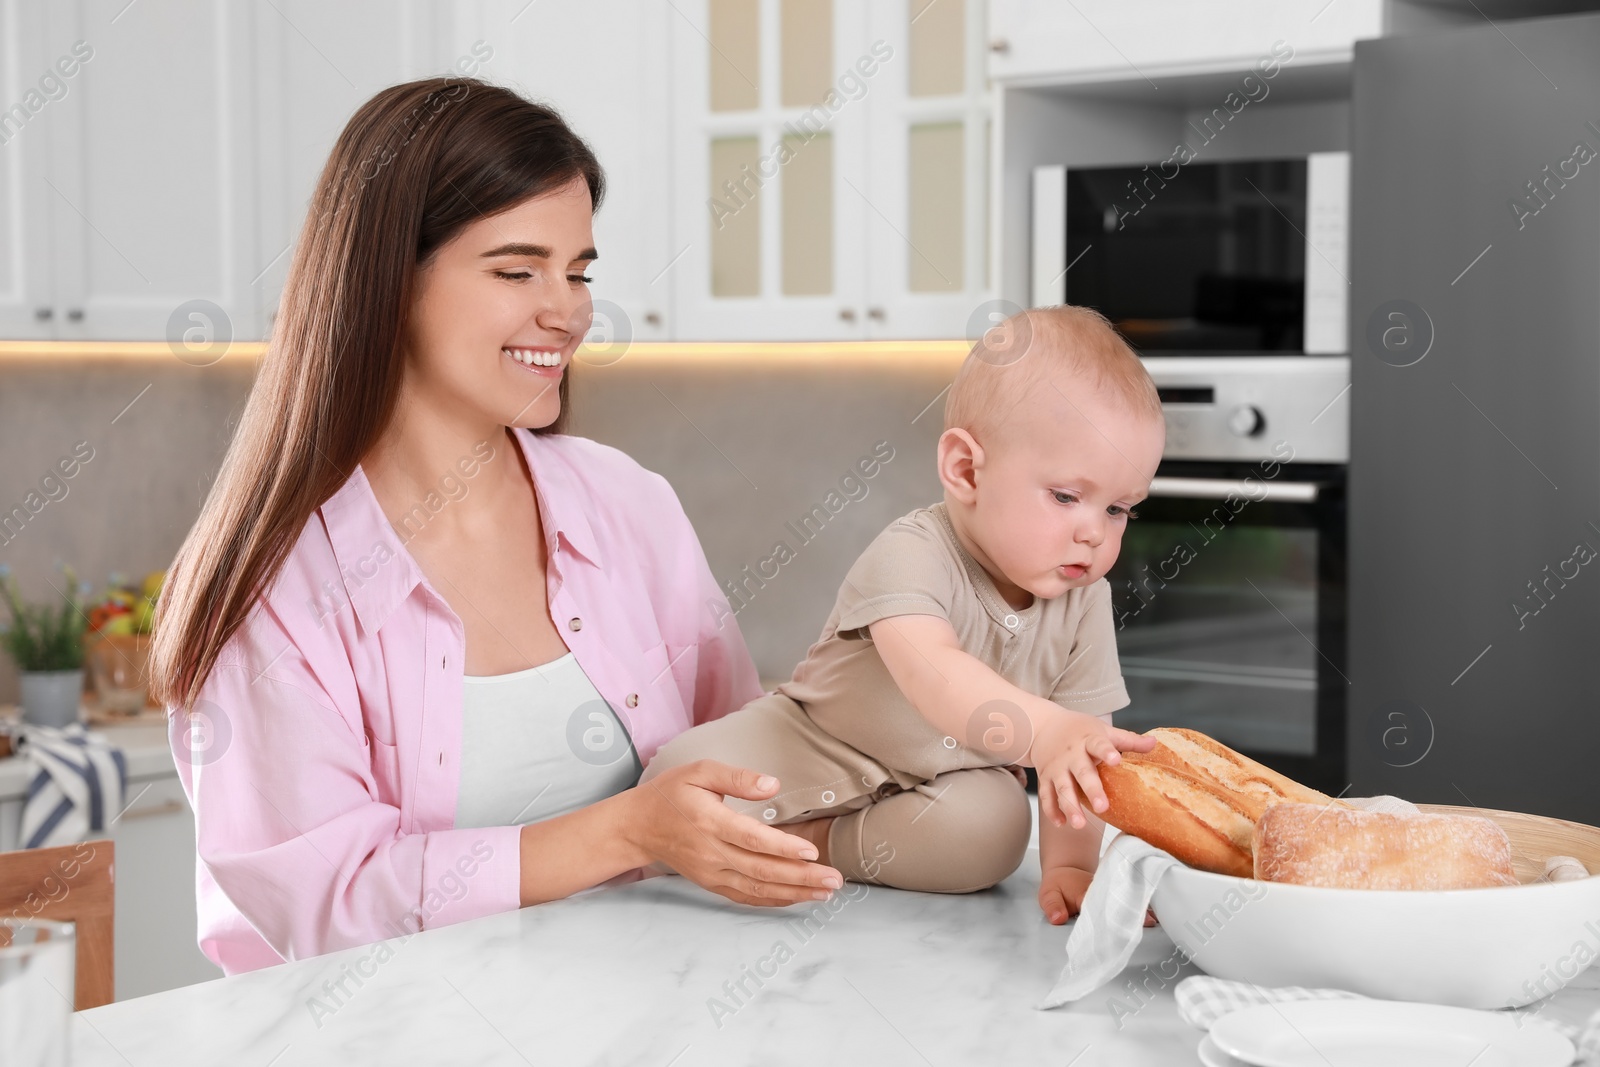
(680,820)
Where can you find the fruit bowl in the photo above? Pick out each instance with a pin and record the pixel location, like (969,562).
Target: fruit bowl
(1472,948)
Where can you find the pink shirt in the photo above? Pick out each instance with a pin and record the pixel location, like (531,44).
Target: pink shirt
(323,759)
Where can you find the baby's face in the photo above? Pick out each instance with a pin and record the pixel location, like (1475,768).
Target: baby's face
(1053,497)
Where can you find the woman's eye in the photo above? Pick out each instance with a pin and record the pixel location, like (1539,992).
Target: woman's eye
(1063,498)
(577,279)
(512,275)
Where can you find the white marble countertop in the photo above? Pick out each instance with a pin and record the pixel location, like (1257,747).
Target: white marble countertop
(630,974)
(636,974)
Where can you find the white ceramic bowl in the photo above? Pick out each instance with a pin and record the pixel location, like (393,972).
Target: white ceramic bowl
(1473,948)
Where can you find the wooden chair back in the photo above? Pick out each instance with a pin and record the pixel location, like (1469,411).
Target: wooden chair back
(76,884)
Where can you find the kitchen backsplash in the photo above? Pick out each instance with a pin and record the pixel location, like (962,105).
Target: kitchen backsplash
(788,460)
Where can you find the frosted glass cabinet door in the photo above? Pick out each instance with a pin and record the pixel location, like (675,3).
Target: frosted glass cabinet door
(150,177)
(27,310)
(928,158)
(769,173)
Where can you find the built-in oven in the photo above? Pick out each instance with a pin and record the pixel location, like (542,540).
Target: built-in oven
(1229,593)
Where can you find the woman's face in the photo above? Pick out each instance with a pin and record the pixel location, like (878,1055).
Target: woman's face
(500,310)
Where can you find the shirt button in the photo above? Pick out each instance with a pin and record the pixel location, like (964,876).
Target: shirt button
(633,700)
(575,623)
(1011,621)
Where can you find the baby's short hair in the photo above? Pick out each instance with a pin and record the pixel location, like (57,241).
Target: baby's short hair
(1033,347)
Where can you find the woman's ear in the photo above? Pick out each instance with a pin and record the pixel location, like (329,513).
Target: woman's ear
(960,457)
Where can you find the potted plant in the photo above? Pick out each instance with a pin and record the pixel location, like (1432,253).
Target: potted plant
(46,643)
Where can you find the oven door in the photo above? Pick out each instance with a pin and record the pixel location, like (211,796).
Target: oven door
(1229,596)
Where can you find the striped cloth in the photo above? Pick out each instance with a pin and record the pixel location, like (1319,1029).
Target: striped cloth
(77,787)
(1202,1000)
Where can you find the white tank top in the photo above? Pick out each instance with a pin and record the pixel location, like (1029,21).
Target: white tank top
(539,743)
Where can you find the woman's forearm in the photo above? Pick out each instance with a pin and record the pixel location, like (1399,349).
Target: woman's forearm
(579,850)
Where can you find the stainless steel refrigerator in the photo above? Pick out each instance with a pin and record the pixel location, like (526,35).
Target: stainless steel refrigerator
(1474,482)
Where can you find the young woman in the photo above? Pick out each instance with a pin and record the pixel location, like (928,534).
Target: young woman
(419,642)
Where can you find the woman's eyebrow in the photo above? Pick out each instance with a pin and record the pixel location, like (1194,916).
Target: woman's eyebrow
(519,248)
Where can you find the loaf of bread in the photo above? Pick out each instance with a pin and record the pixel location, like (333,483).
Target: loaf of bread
(1198,799)
(1345,848)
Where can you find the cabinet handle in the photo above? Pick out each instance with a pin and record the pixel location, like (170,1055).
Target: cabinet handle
(875,313)
(652,318)
(999,46)
(44,314)
(847,314)
(75,314)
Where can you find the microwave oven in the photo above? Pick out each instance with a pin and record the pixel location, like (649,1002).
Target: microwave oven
(1235,257)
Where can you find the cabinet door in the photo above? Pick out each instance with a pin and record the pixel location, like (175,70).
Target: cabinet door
(155,902)
(770,192)
(317,63)
(928,158)
(150,175)
(1112,40)
(35,88)
(621,107)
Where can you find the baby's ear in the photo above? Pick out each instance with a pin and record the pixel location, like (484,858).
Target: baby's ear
(959,458)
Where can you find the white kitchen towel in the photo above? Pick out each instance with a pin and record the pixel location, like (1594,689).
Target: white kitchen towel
(1111,924)
(1202,1000)
(76,788)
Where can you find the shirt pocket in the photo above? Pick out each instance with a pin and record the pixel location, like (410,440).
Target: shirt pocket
(384,760)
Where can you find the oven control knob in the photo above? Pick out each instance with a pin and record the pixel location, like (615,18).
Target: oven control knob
(1247,420)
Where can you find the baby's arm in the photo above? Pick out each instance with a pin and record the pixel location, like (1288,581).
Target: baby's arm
(952,689)
(1067,859)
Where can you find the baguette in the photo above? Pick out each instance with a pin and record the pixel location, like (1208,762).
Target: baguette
(1198,799)
(1311,845)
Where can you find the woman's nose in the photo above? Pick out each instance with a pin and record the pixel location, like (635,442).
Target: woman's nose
(564,309)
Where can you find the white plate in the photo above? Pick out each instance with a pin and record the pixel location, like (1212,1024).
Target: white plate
(1377,1033)
(1212,1056)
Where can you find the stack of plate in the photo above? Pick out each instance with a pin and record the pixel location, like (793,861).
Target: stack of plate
(1378,1033)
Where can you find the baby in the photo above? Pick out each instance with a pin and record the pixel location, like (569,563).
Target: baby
(972,637)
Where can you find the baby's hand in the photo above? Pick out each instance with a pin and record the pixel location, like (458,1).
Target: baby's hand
(1061,893)
(1065,753)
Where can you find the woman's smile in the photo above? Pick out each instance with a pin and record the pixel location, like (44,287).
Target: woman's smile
(545,362)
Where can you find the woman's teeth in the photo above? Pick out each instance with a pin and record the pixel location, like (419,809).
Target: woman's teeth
(535,357)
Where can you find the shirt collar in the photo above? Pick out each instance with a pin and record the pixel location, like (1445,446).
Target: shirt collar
(564,498)
(376,571)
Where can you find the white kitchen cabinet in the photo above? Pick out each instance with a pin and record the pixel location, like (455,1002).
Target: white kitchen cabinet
(138,192)
(319,62)
(1048,41)
(830,168)
(155,903)
(622,107)
(928,161)
(27,283)
(316,64)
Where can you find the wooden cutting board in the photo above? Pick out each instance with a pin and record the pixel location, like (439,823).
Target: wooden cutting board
(1535,838)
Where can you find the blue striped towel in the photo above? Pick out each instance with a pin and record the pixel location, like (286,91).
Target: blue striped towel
(77,788)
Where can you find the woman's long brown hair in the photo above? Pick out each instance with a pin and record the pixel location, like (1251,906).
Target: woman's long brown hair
(415,165)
